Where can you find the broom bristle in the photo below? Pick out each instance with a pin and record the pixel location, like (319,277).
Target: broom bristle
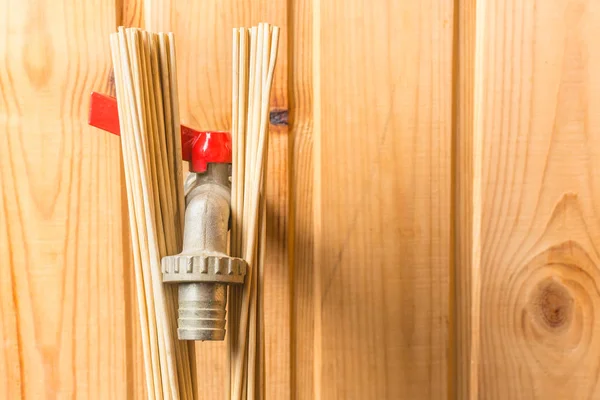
(253,71)
(145,79)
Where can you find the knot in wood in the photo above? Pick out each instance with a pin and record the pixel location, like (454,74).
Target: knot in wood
(553,304)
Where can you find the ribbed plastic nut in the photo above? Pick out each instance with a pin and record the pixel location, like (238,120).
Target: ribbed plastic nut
(203,268)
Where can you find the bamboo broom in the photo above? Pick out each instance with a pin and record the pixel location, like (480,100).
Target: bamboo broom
(145,78)
(252,70)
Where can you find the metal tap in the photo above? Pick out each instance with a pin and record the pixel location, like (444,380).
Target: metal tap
(203,269)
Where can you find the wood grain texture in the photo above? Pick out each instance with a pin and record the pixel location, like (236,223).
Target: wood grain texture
(537,137)
(130,13)
(464,318)
(301,217)
(383,130)
(203,34)
(65,318)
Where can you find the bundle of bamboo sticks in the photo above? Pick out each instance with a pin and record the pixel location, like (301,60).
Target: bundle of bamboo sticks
(145,78)
(254,55)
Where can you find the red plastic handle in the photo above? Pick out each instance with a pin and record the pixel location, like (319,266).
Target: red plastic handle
(197,147)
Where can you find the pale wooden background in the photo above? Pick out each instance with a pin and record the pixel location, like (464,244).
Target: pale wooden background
(434,197)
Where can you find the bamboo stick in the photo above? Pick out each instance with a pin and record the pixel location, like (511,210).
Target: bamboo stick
(234,189)
(176,125)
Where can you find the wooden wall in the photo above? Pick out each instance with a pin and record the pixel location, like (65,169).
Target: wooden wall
(433,214)
(383,125)
(536,200)
(65,300)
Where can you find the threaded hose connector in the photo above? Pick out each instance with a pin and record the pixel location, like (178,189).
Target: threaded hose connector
(202,291)
(202,309)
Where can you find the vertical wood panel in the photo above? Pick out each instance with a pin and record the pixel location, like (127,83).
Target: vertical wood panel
(537,138)
(302,249)
(465,307)
(64,318)
(383,133)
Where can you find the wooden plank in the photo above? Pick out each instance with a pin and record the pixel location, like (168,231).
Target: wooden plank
(302,245)
(65,322)
(203,34)
(383,126)
(465,312)
(537,141)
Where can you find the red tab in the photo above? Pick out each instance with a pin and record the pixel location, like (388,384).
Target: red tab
(198,147)
(104,113)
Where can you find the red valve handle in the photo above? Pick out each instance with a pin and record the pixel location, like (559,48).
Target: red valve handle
(197,147)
